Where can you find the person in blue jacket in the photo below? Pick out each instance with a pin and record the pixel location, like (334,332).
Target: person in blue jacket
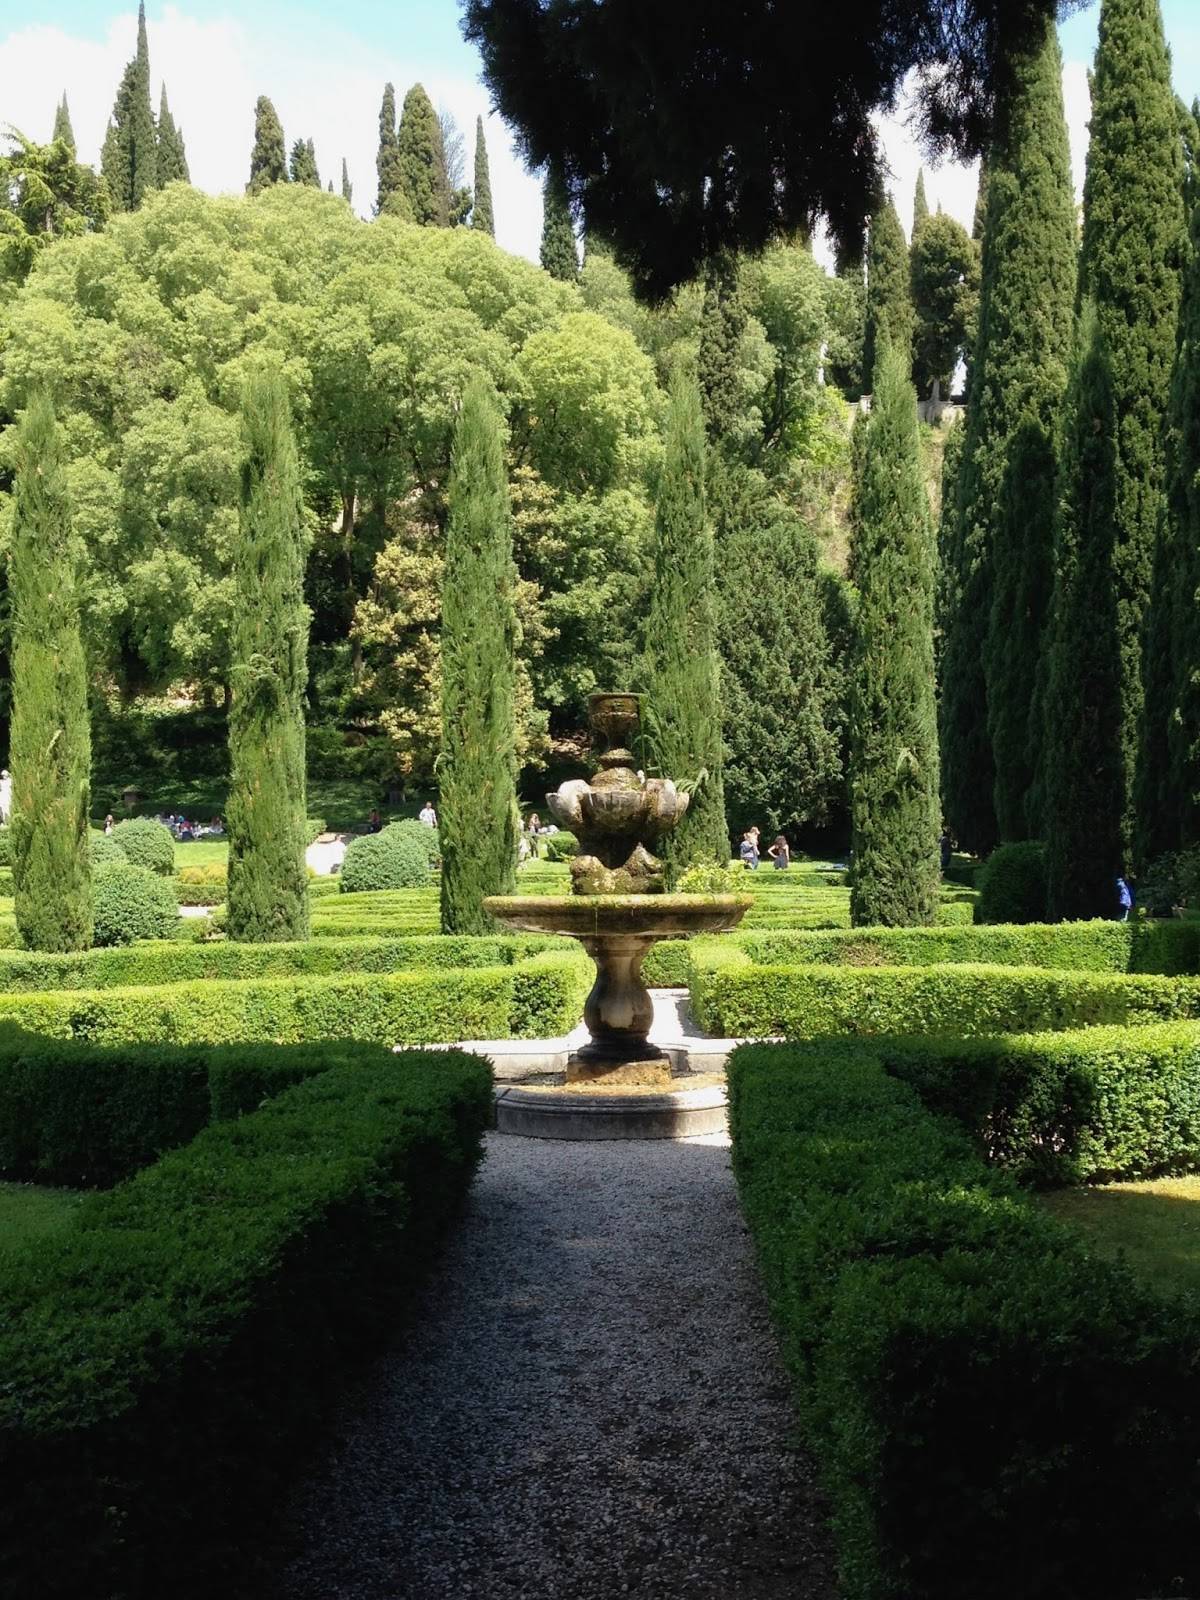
(748,849)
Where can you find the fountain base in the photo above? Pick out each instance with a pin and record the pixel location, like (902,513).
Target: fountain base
(649,1071)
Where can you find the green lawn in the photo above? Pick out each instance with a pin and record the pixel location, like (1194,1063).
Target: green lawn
(28,1213)
(1154,1224)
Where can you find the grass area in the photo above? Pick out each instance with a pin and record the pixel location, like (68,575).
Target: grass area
(29,1213)
(201,853)
(1154,1224)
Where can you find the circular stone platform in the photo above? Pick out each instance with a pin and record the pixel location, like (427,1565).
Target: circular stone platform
(588,1112)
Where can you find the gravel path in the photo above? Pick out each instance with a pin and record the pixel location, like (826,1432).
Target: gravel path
(588,1404)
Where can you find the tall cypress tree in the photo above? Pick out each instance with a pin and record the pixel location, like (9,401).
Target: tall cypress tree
(920,205)
(718,362)
(268,159)
(50,736)
(421,161)
(1130,266)
(304,164)
(387,159)
(1008,485)
(172,157)
(481,211)
(268,879)
(129,159)
(682,661)
(62,125)
(559,256)
(347,186)
(894,806)
(889,299)
(477,806)
(1083,778)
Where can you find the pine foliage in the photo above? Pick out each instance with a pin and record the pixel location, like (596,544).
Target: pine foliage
(62,126)
(894,805)
(387,160)
(718,362)
(347,186)
(129,159)
(172,157)
(889,300)
(50,737)
(268,159)
(481,210)
(303,166)
(477,806)
(422,176)
(920,205)
(266,817)
(682,661)
(559,255)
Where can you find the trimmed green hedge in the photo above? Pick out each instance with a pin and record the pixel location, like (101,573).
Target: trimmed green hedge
(731,997)
(994,1412)
(539,997)
(165,1359)
(1012,884)
(146,843)
(1092,1106)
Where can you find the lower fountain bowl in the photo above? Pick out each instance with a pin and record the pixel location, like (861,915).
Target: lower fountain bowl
(661,916)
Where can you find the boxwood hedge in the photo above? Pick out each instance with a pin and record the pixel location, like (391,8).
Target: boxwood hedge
(166,1358)
(994,1412)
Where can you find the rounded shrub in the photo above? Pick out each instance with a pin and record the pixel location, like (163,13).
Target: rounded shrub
(392,859)
(104,850)
(146,843)
(6,854)
(425,837)
(560,846)
(131,902)
(1012,884)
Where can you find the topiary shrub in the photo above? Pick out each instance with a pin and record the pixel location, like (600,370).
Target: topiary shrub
(392,859)
(146,843)
(6,850)
(560,846)
(425,837)
(1012,884)
(131,902)
(104,850)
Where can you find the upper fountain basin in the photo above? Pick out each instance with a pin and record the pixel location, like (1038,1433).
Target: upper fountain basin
(582,915)
(645,812)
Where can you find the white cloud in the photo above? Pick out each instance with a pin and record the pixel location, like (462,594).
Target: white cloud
(215,71)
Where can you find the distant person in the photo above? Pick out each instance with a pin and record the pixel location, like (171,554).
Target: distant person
(1124,898)
(109,823)
(946,846)
(748,849)
(780,854)
(427,815)
(374,821)
(5,796)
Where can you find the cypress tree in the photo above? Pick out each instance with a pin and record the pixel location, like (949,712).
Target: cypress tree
(920,205)
(682,661)
(894,806)
(268,159)
(268,879)
(1130,265)
(477,803)
(129,158)
(946,598)
(481,211)
(62,125)
(387,159)
(889,301)
(50,737)
(1008,484)
(718,362)
(1083,767)
(304,164)
(944,275)
(172,158)
(421,161)
(347,187)
(558,255)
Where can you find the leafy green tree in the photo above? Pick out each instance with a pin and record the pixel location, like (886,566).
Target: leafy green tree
(1083,765)
(920,204)
(785,294)
(452,170)
(50,740)
(559,255)
(420,157)
(130,157)
(172,157)
(62,126)
(303,167)
(889,300)
(481,212)
(845,327)
(682,647)
(45,194)
(944,265)
(268,880)
(268,159)
(1011,442)
(477,806)
(895,811)
(1133,249)
(347,186)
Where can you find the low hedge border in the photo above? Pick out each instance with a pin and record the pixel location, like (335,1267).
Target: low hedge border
(731,998)
(536,998)
(1063,1108)
(992,1409)
(166,1359)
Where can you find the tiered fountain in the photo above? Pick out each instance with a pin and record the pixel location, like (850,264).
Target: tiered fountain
(617,910)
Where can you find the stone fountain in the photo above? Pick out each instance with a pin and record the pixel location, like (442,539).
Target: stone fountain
(618,907)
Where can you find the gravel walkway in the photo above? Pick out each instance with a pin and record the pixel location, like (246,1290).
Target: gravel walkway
(588,1404)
